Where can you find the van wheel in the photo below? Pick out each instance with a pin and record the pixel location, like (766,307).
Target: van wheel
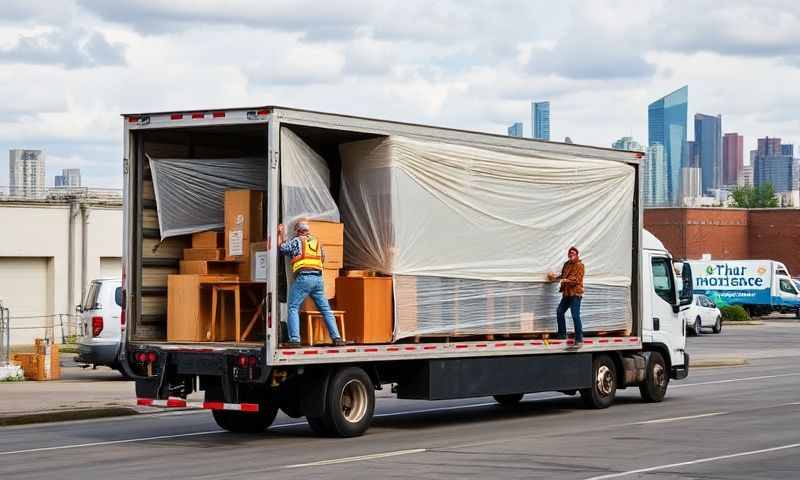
(717,325)
(509,400)
(604,384)
(349,404)
(245,422)
(656,379)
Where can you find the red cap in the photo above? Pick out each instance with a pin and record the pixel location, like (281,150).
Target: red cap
(573,249)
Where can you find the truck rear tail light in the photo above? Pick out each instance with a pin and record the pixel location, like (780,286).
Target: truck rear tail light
(152,357)
(245,361)
(122,317)
(141,357)
(97,326)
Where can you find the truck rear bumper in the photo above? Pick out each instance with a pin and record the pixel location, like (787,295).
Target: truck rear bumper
(679,372)
(183,403)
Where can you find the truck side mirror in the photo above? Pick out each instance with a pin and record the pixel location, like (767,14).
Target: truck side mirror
(79,308)
(687,292)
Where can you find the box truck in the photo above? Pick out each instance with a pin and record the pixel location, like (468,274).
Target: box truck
(760,286)
(464,225)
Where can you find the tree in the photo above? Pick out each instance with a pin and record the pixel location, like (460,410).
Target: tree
(762,196)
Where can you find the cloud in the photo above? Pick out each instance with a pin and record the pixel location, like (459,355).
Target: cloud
(70,48)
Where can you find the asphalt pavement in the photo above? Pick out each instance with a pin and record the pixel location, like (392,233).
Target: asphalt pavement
(733,423)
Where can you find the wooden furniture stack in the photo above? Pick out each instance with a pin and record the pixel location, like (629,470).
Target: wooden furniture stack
(43,364)
(367,303)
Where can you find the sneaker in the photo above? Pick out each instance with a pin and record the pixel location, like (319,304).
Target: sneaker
(339,342)
(292,345)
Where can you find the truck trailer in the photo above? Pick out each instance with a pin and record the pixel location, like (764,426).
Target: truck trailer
(466,226)
(760,286)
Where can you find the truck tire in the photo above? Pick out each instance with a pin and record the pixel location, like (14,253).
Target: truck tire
(319,426)
(349,404)
(244,422)
(509,400)
(656,379)
(604,384)
(717,325)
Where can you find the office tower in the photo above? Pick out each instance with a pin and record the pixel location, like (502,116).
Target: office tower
(787,149)
(26,173)
(654,173)
(70,177)
(666,126)
(768,146)
(540,113)
(515,130)
(732,157)
(745,177)
(628,143)
(690,155)
(691,183)
(708,145)
(773,166)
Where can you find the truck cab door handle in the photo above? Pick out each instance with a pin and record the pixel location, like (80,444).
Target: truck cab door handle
(656,323)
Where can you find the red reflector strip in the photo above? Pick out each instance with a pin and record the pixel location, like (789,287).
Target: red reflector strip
(411,348)
(618,340)
(145,402)
(462,346)
(352,350)
(589,342)
(176,116)
(519,344)
(481,345)
(249,407)
(429,347)
(175,402)
(263,112)
(218,114)
(603,340)
(133,119)
(331,351)
(536,343)
(287,352)
(500,344)
(556,342)
(392,349)
(213,405)
(310,352)
(371,350)
(198,115)
(633,340)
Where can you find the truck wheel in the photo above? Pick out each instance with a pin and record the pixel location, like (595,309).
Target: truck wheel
(717,325)
(604,384)
(509,400)
(244,422)
(349,404)
(319,426)
(656,379)
(698,326)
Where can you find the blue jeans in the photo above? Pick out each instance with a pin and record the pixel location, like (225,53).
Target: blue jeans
(573,304)
(304,285)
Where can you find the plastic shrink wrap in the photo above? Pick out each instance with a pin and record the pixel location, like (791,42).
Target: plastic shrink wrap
(469,234)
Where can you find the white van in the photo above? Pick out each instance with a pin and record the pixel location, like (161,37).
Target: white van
(102,325)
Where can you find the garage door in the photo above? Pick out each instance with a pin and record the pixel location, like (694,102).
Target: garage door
(23,289)
(110,267)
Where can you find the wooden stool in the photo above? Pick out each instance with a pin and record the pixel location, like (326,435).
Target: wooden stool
(311,332)
(216,291)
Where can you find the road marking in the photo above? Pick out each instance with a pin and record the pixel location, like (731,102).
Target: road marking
(111,442)
(677,419)
(732,380)
(694,462)
(359,458)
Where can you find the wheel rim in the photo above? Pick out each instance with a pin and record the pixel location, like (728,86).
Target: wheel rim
(659,375)
(353,401)
(604,381)
(718,324)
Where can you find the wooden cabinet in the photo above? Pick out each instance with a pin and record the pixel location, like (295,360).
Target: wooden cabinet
(367,306)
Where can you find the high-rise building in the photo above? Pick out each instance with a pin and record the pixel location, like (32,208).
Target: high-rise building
(708,145)
(70,177)
(787,149)
(690,155)
(691,183)
(515,130)
(732,157)
(666,126)
(745,177)
(26,173)
(654,172)
(627,143)
(773,166)
(540,116)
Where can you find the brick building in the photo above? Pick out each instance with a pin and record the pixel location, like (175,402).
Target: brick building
(730,233)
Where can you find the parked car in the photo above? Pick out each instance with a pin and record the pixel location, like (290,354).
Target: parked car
(703,313)
(102,327)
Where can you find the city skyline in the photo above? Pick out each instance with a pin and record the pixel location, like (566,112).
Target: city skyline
(667,126)
(708,149)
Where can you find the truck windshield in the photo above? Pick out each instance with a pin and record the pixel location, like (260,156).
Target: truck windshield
(786,286)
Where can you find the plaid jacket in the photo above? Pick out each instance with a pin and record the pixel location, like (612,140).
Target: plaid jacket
(572,279)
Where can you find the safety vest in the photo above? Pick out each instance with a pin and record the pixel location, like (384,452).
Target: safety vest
(310,254)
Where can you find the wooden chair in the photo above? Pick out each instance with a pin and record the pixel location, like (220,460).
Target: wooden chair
(309,318)
(218,297)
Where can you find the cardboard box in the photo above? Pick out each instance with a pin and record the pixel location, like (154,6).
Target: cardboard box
(329,233)
(244,222)
(368,308)
(43,364)
(259,262)
(329,277)
(189,311)
(208,239)
(208,267)
(334,256)
(203,254)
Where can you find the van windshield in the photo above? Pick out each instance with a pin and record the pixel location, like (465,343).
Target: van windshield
(92,297)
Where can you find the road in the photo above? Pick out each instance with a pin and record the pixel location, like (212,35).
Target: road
(732,423)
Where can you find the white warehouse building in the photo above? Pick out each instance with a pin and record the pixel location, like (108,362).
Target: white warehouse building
(49,252)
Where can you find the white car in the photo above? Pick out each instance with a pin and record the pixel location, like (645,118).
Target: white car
(703,313)
(102,325)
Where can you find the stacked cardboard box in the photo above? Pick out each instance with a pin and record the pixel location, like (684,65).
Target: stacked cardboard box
(244,224)
(331,236)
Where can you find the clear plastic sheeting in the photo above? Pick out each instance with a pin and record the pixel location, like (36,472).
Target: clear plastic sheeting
(305,181)
(190,193)
(471,233)
(437,306)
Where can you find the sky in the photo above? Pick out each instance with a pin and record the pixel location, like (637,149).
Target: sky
(68,68)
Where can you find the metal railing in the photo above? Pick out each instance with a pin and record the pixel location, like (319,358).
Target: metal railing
(23,192)
(5,336)
(68,326)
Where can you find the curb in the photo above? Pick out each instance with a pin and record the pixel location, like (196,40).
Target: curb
(67,415)
(718,362)
(742,323)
